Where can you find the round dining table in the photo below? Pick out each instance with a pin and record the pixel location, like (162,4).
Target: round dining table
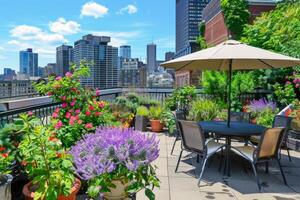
(236,129)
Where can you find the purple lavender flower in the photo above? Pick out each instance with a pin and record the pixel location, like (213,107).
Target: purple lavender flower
(109,148)
(261,104)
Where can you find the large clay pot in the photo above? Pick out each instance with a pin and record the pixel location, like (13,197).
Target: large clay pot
(5,187)
(29,194)
(118,193)
(156,125)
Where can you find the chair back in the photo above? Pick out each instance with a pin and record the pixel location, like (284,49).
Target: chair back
(193,137)
(270,143)
(240,117)
(180,115)
(282,121)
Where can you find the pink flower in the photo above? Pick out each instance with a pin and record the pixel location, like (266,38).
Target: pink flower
(58,78)
(30,113)
(98,113)
(55,115)
(57,110)
(63,98)
(91,108)
(69,74)
(288,83)
(295,81)
(73,103)
(64,105)
(58,125)
(88,126)
(68,115)
(97,92)
(77,111)
(79,121)
(102,104)
(87,113)
(297,85)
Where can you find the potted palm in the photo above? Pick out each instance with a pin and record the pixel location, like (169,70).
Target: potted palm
(141,118)
(46,163)
(116,162)
(155,114)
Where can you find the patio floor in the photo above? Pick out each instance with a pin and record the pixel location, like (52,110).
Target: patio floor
(241,185)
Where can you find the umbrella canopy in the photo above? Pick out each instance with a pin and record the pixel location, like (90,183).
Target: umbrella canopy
(231,55)
(243,57)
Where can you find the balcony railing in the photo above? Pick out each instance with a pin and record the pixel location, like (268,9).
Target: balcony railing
(44,110)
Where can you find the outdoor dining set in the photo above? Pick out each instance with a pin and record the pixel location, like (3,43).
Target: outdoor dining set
(254,143)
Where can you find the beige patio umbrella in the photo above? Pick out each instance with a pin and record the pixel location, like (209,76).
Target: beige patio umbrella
(232,55)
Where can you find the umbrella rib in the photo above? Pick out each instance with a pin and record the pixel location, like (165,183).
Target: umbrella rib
(266,64)
(185,65)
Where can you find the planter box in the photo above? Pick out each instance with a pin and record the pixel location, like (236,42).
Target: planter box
(293,144)
(141,123)
(5,187)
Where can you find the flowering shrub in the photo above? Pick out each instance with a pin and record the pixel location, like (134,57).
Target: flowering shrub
(45,161)
(80,111)
(6,159)
(116,154)
(257,106)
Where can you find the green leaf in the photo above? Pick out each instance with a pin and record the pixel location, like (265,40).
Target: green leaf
(149,194)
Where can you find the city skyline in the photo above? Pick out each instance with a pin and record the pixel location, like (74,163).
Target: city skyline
(133,23)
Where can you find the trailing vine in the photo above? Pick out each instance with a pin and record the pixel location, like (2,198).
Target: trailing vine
(236,16)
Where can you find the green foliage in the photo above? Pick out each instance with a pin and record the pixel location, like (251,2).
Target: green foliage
(215,83)
(285,94)
(181,98)
(142,111)
(266,117)
(203,110)
(155,112)
(236,15)
(47,163)
(169,120)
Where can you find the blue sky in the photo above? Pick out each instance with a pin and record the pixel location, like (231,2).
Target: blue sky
(43,25)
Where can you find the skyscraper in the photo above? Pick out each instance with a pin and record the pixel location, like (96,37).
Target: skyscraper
(188,17)
(169,56)
(125,51)
(29,62)
(64,59)
(151,57)
(102,60)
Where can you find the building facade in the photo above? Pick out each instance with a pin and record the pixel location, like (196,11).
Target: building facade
(64,59)
(169,56)
(151,58)
(188,17)
(50,69)
(125,51)
(101,58)
(130,73)
(28,62)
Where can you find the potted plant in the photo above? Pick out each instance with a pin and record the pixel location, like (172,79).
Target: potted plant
(203,110)
(116,162)
(141,118)
(46,163)
(6,159)
(155,114)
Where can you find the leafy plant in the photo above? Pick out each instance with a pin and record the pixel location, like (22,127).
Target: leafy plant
(155,113)
(203,110)
(257,106)
(265,117)
(285,95)
(142,111)
(169,120)
(117,154)
(45,160)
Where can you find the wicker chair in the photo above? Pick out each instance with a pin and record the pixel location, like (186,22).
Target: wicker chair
(193,140)
(267,150)
(279,121)
(179,115)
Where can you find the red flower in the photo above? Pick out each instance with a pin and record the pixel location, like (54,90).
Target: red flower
(101,104)
(64,105)
(77,111)
(2,148)
(59,155)
(87,113)
(53,139)
(98,113)
(88,126)
(4,155)
(68,115)
(91,108)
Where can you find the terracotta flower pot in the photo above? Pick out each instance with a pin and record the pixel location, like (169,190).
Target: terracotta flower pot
(29,194)
(156,125)
(117,193)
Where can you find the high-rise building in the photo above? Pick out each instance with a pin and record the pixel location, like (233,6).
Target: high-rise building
(169,56)
(9,71)
(132,73)
(64,59)
(50,69)
(125,51)
(188,17)
(151,57)
(28,62)
(101,58)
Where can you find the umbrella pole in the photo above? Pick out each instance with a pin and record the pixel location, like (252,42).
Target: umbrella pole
(229,92)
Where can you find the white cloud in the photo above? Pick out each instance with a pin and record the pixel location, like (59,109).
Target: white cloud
(118,38)
(130,9)
(167,42)
(1,48)
(93,9)
(64,27)
(32,33)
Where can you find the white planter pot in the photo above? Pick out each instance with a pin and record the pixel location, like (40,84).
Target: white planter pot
(5,187)
(117,193)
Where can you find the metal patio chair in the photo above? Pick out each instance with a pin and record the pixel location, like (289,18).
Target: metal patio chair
(179,115)
(193,141)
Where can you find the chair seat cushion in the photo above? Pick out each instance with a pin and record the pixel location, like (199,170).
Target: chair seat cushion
(213,147)
(255,139)
(244,151)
